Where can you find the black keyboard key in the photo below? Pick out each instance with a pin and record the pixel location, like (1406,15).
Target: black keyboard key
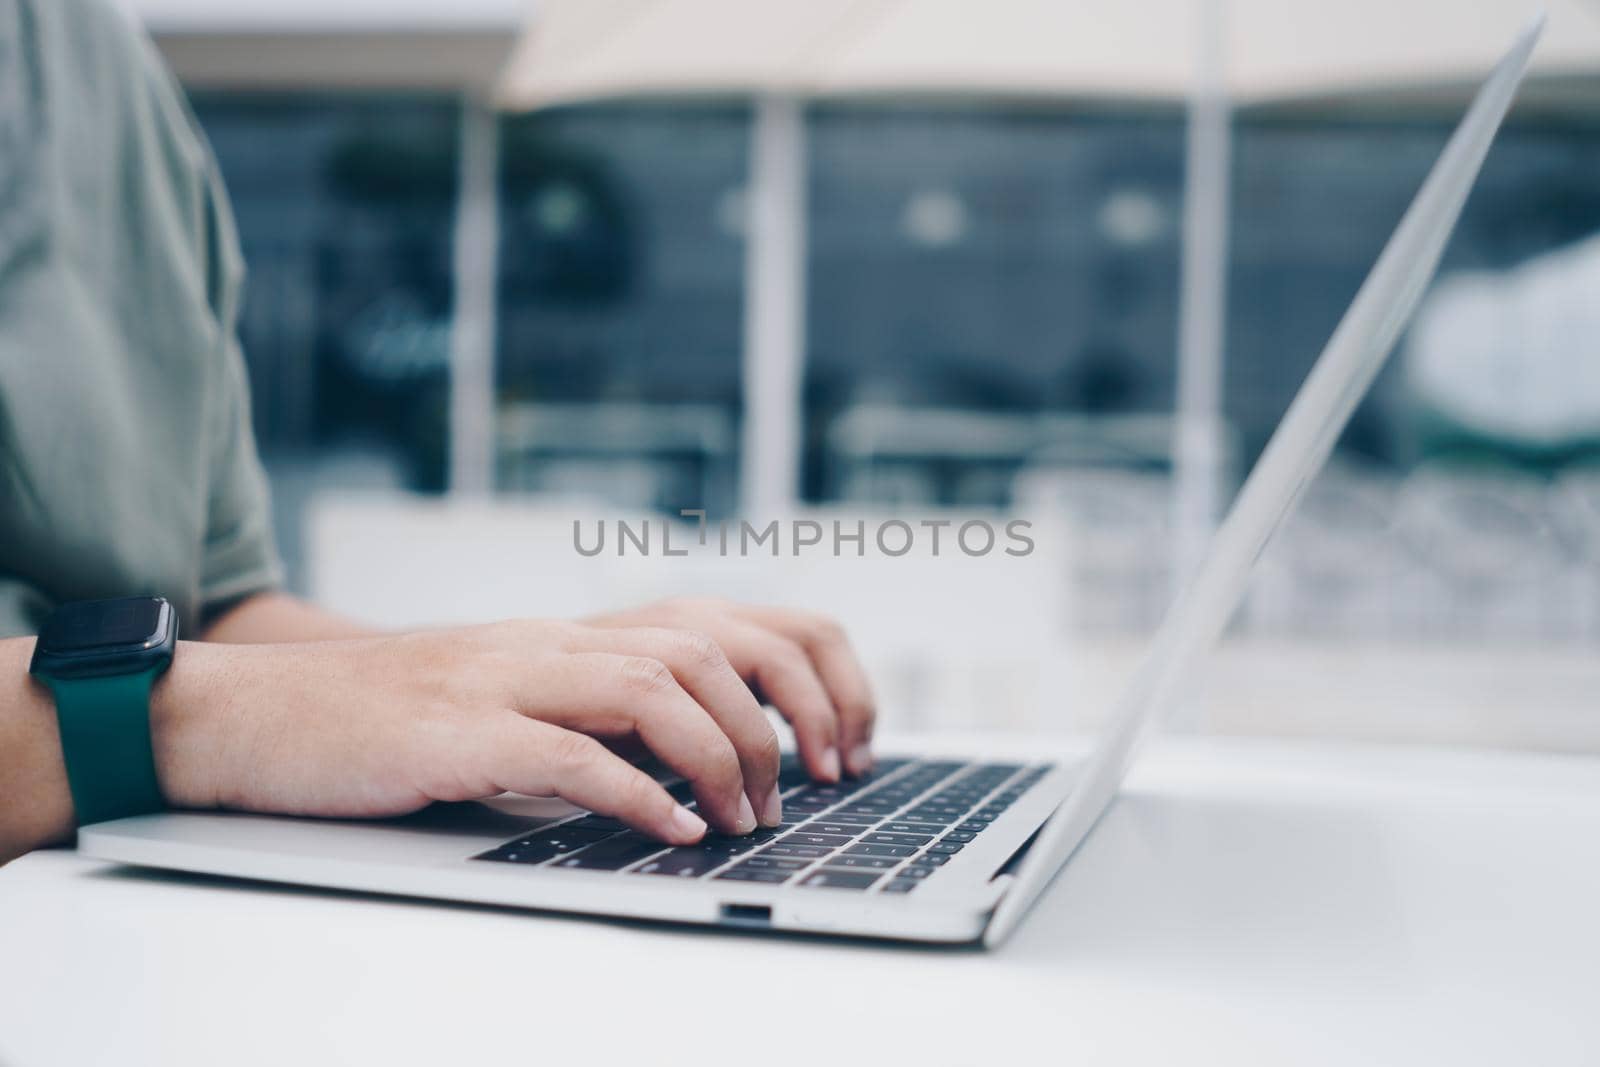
(882,768)
(809,808)
(875,863)
(896,851)
(948,848)
(897,839)
(731,846)
(901,826)
(828,878)
(776,863)
(806,837)
(931,859)
(614,853)
(516,854)
(852,818)
(825,826)
(879,809)
(561,839)
(961,836)
(742,873)
(683,862)
(973,827)
(809,852)
(922,815)
(915,871)
(901,885)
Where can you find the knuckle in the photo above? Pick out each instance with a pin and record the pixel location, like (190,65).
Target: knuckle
(722,762)
(640,794)
(791,654)
(828,630)
(560,633)
(493,636)
(570,751)
(700,648)
(697,605)
(645,675)
(521,633)
(768,750)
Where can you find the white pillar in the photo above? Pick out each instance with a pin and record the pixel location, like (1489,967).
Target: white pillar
(472,330)
(775,309)
(1198,443)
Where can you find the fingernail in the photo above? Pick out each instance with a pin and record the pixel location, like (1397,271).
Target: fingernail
(860,759)
(689,826)
(772,809)
(747,816)
(830,765)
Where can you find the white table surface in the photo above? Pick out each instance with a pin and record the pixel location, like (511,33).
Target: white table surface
(1245,902)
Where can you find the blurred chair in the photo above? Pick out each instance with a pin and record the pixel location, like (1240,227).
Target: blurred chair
(639,456)
(1117,578)
(1336,568)
(1490,563)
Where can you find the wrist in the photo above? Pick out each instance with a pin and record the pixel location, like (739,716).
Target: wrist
(34,768)
(189,707)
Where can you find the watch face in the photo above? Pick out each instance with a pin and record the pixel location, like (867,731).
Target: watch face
(97,624)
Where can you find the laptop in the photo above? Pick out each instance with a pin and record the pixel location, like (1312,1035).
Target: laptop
(921,849)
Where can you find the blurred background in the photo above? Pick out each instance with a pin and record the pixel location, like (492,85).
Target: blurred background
(518,264)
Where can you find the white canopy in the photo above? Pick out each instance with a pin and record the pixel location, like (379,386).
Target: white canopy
(590,49)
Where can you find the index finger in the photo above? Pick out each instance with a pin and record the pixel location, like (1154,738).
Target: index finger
(537,759)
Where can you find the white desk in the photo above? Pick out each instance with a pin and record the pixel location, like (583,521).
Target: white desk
(1245,902)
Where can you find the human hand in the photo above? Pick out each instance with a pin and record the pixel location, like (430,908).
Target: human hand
(383,726)
(800,662)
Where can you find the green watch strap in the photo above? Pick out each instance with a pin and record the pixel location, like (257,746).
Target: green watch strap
(105,737)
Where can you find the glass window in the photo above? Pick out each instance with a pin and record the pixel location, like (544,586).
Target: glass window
(992,317)
(974,272)
(1461,502)
(621,296)
(345,206)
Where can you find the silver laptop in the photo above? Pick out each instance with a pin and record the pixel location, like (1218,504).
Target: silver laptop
(922,849)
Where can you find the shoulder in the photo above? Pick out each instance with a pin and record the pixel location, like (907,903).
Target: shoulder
(118,105)
(106,71)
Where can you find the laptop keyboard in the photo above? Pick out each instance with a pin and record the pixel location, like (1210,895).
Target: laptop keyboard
(885,832)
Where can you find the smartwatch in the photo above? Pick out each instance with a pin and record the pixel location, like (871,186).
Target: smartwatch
(99,659)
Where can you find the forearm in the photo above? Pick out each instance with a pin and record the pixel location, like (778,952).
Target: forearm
(276,618)
(35,803)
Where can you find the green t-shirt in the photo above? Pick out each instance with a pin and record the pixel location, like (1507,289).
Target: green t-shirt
(127,463)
